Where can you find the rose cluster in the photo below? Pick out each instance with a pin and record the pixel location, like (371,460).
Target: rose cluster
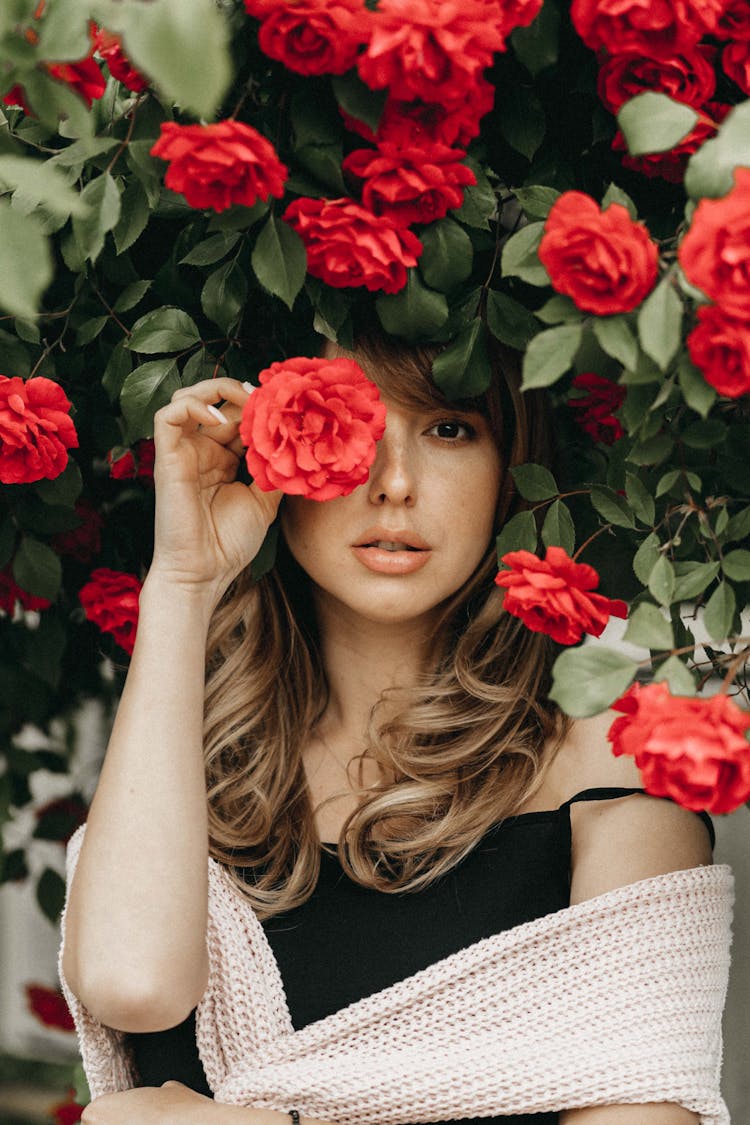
(675,49)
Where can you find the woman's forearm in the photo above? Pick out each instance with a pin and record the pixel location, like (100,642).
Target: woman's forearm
(135,935)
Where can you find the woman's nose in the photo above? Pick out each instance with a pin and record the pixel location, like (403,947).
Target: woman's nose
(392,476)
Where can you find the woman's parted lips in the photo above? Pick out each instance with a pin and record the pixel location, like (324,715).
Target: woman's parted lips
(375,536)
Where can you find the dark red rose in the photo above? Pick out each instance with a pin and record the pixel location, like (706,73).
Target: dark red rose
(312,36)
(84,77)
(596,406)
(349,246)
(720,347)
(652,27)
(84,541)
(671,165)
(734,21)
(110,48)
(218,165)
(63,816)
(36,430)
(421,124)
(67,1112)
(11,593)
(410,185)
(436,50)
(49,1007)
(553,595)
(715,252)
(603,260)
(695,751)
(311,427)
(735,59)
(110,600)
(131,465)
(688,77)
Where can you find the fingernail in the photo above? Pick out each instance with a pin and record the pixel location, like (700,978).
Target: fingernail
(216,413)
(249,388)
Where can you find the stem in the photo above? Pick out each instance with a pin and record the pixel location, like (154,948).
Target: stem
(591,538)
(128,136)
(733,669)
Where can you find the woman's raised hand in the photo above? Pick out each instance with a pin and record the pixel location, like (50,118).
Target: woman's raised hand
(209,526)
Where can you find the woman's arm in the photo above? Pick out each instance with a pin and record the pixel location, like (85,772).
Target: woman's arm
(175,1104)
(663,1113)
(135,933)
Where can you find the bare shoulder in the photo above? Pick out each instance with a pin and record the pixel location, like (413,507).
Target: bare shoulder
(585,761)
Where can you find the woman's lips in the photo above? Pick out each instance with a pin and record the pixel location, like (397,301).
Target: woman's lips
(405,560)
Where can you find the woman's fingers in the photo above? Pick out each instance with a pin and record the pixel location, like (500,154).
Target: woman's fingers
(212,390)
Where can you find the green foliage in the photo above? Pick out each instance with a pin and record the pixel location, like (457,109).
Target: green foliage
(586,680)
(653,122)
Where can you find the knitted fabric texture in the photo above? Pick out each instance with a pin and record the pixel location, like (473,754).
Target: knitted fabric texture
(615,999)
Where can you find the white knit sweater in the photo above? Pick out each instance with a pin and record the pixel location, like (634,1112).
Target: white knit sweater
(615,999)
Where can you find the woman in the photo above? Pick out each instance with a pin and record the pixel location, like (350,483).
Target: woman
(387,781)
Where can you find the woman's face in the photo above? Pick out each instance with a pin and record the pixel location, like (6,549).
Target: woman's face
(402,543)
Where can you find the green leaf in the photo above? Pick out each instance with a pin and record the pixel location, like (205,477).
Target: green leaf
(134,216)
(45,647)
(615,194)
(7,541)
(324,163)
(102,200)
(697,393)
(661,582)
(536,200)
(447,255)
(479,203)
(167,329)
(64,489)
(616,338)
(517,534)
(146,389)
(37,569)
(534,482)
(50,894)
(710,170)
(718,615)
(332,307)
(677,675)
(706,434)
(613,507)
(653,122)
(509,321)
(25,262)
(648,627)
(358,100)
(520,257)
(536,46)
(89,330)
(640,499)
(666,482)
(416,312)
(651,451)
(266,556)
(57,105)
(211,250)
(279,260)
(40,182)
(183,47)
(646,557)
(224,295)
(586,680)
(660,323)
(550,354)
(64,32)
(238,217)
(462,369)
(738,526)
(147,168)
(521,119)
(736,565)
(200,366)
(131,295)
(558,310)
(558,529)
(119,366)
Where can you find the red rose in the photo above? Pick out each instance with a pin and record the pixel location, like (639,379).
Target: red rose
(312,36)
(720,347)
(688,77)
(422,124)
(410,185)
(715,252)
(553,595)
(734,21)
(603,260)
(110,600)
(653,27)
(671,165)
(436,50)
(349,246)
(49,1007)
(735,59)
(595,408)
(84,77)
(311,427)
(63,816)
(219,165)
(67,1112)
(36,430)
(120,67)
(11,592)
(692,750)
(126,467)
(84,541)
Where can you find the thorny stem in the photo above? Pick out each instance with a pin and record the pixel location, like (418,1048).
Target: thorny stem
(734,668)
(109,309)
(599,531)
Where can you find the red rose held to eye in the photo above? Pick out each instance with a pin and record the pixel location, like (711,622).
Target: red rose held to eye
(603,260)
(695,751)
(110,601)
(715,252)
(553,595)
(36,430)
(219,165)
(349,246)
(311,427)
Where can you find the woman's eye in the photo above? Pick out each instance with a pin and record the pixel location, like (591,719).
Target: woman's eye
(452,430)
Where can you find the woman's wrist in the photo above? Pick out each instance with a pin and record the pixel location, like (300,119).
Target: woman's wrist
(162,589)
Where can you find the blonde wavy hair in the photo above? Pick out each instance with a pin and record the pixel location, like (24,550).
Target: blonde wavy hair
(460,752)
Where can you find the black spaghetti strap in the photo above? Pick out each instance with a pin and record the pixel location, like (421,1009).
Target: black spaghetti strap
(607,793)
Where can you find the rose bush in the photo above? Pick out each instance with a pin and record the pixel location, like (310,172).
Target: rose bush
(311,427)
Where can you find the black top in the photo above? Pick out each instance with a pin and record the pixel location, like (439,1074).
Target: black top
(348,941)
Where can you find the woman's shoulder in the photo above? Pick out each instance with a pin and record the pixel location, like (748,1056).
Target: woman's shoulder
(621,840)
